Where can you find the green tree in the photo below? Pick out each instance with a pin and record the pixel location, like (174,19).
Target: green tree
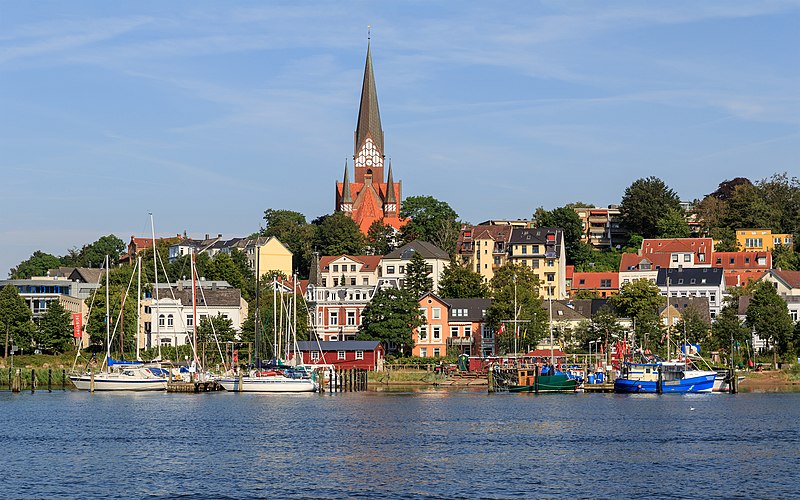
(693,327)
(418,280)
(15,319)
(590,259)
(566,219)
(728,330)
(94,254)
(122,324)
(640,300)
(644,202)
(55,333)
(768,316)
(225,269)
(458,282)
(216,329)
(725,239)
(606,326)
(510,281)
(390,317)
(431,220)
(379,238)
(748,208)
(672,224)
(338,234)
(785,257)
(292,230)
(36,265)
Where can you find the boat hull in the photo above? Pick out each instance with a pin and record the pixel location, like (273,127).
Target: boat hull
(84,383)
(268,384)
(699,384)
(548,383)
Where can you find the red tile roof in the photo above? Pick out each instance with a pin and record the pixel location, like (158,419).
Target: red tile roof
(791,278)
(368,262)
(631,261)
(741,260)
(740,278)
(591,281)
(694,245)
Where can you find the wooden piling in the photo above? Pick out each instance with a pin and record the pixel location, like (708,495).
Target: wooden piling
(63,380)
(16,383)
(33,380)
(491,379)
(240,380)
(91,381)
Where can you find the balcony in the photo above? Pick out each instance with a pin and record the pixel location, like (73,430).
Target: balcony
(459,341)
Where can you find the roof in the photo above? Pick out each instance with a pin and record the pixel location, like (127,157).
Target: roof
(545,353)
(789,278)
(739,278)
(631,262)
(220,297)
(342,345)
(369,263)
(591,281)
(698,276)
(681,304)
(536,235)
(564,310)
(427,250)
(476,309)
(694,245)
(741,260)
(589,307)
(369,117)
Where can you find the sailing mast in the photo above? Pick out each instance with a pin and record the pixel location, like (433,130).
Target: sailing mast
(257,313)
(108,326)
(552,357)
(194,313)
(138,305)
(155,319)
(274,318)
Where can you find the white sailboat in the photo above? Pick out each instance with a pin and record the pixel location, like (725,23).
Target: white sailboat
(120,376)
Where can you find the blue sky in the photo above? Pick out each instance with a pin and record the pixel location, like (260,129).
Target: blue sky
(208,113)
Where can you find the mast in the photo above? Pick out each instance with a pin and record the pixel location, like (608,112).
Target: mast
(155,319)
(516,324)
(257,313)
(194,313)
(108,329)
(138,305)
(552,357)
(669,326)
(294,320)
(274,319)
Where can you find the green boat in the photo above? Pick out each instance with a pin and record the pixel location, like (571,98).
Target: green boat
(529,380)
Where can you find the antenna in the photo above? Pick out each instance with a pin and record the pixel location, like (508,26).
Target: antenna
(369,32)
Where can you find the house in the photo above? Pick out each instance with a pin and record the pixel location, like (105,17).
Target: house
(484,248)
(342,288)
(137,245)
(265,254)
(470,334)
(565,320)
(633,267)
(363,354)
(602,284)
(683,252)
(431,339)
(174,310)
(542,250)
(672,312)
(394,265)
(787,284)
(740,268)
(693,282)
(602,227)
(761,240)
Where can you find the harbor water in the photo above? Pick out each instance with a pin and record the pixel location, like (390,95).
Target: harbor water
(431,443)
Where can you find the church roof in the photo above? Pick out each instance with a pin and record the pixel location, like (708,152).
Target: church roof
(369,117)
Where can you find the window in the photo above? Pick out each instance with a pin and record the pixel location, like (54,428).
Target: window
(352,267)
(170,320)
(429,269)
(161,320)
(467,331)
(687,257)
(454,331)
(359,354)
(732,260)
(314,355)
(436,313)
(551,276)
(351,318)
(524,249)
(333,317)
(535,263)
(605,283)
(551,263)
(336,268)
(581,281)
(747,260)
(364,281)
(389,269)
(324,282)
(353,281)
(674,257)
(189,320)
(340,355)
(437,332)
(702,257)
(335,281)
(535,249)
(435,352)
(423,353)
(423,333)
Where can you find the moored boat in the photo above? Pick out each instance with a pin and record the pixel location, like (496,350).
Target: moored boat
(122,378)
(530,380)
(663,377)
(270,381)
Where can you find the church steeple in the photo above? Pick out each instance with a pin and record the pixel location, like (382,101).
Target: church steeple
(347,197)
(368,151)
(390,203)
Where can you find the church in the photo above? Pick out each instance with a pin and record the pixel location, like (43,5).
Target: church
(373,195)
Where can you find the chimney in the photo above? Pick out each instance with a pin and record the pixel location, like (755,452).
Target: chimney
(207,235)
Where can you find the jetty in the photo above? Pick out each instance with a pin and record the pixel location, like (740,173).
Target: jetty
(193,387)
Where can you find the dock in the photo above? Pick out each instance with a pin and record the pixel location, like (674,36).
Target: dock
(193,387)
(598,387)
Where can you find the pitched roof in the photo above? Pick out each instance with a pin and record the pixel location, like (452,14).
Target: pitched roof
(427,250)
(475,308)
(537,235)
(694,245)
(741,260)
(697,276)
(681,304)
(591,281)
(208,297)
(789,278)
(368,262)
(342,345)
(632,261)
(740,278)
(564,310)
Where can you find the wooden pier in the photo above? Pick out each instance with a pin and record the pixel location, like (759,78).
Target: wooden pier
(598,387)
(193,387)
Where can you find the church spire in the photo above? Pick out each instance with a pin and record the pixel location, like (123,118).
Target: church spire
(369,117)
(347,197)
(390,196)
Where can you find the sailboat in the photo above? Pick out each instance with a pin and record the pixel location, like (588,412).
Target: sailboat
(276,377)
(120,376)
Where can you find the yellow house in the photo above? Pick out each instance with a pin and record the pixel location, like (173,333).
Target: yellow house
(542,250)
(484,248)
(269,254)
(761,240)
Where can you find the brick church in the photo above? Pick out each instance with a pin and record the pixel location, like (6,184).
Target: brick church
(372,195)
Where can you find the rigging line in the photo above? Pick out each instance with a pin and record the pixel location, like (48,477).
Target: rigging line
(213,330)
(88,315)
(122,308)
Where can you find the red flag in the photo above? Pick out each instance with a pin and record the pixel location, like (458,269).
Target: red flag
(502,328)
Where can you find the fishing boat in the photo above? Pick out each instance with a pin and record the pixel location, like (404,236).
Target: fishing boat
(663,377)
(722,382)
(530,380)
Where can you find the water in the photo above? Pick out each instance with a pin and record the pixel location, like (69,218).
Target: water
(440,444)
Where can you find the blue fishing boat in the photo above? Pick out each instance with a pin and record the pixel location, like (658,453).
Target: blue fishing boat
(662,377)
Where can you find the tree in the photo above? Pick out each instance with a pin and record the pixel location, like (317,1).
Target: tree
(54,333)
(725,239)
(338,234)
(36,265)
(431,220)
(216,329)
(693,326)
(292,230)
(672,224)
(512,281)
(590,259)
(566,219)
(768,316)
(644,202)
(120,325)
(458,282)
(390,317)
(380,238)
(728,330)
(640,301)
(223,268)
(283,317)
(785,257)
(94,254)
(418,280)
(15,319)
(606,325)
(747,207)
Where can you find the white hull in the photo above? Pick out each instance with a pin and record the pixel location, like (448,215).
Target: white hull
(268,384)
(84,383)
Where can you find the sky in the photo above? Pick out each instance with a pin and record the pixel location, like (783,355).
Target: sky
(208,113)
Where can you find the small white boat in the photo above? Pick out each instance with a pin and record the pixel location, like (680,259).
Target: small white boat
(270,381)
(722,381)
(123,378)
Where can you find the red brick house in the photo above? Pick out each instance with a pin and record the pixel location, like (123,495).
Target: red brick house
(364,354)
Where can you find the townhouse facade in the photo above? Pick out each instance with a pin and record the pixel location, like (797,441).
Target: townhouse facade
(602,227)
(542,250)
(761,240)
(698,282)
(394,265)
(453,325)
(602,284)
